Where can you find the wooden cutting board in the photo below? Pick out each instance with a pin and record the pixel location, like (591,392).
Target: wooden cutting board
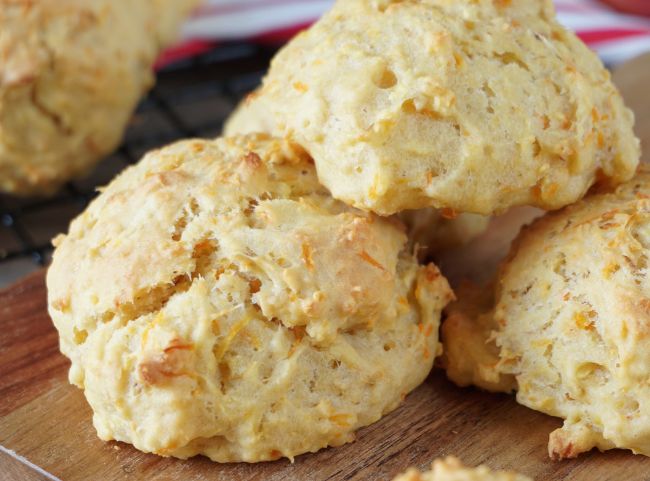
(46,430)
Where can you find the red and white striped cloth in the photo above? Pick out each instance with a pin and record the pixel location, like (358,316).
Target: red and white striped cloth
(615,36)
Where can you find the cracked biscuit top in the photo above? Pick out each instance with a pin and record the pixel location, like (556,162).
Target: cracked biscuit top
(473,106)
(429,230)
(569,326)
(71,73)
(215,299)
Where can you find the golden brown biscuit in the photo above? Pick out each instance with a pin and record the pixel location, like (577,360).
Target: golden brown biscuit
(429,230)
(215,299)
(451,469)
(71,74)
(569,325)
(473,106)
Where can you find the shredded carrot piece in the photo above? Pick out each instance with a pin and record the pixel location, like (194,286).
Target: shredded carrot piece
(609,214)
(366,257)
(223,347)
(428,330)
(307,257)
(594,114)
(582,322)
(300,87)
(298,333)
(254,285)
(176,344)
(340,419)
(448,213)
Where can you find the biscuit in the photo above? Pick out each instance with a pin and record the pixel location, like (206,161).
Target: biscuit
(429,230)
(451,469)
(569,325)
(72,72)
(469,358)
(472,106)
(216,300)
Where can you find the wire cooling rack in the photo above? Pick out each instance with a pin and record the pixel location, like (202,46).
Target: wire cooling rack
(191,98)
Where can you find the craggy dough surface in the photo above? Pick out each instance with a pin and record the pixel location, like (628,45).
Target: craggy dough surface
(475,106)
(71,73)
(569,326)
(428,229)
(214,299)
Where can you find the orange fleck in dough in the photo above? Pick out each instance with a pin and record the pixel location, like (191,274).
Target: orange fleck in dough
(300,87)
(367,258)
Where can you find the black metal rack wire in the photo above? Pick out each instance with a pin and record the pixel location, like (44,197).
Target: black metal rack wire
(191,98)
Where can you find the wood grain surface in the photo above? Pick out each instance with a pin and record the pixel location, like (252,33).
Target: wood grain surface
(46,422)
